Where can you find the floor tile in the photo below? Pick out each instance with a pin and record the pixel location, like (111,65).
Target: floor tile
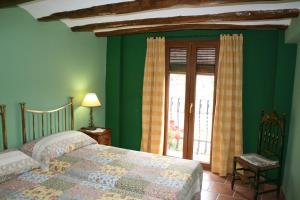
(226,197)
(215,187)
(272,196)
(220,188)
(206,195)
(216,178)
(244,194)
(205,184)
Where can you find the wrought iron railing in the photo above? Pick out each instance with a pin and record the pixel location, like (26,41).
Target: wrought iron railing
(203,124)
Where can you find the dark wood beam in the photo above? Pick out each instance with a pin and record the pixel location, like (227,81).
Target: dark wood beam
(138,6)
(232,16)
(187,27)
(11,3)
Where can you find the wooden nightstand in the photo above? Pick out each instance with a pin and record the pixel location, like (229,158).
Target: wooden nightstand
(101,137)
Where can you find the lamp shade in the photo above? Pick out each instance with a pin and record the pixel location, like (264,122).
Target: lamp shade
(91,100)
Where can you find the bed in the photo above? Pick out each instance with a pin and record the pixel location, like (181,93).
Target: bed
(73,166)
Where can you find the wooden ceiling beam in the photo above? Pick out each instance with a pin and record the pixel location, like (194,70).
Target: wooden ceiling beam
(138,6)
(188,27)
(232,16)
(11,3)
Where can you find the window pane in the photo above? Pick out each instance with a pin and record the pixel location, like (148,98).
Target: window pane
(203,117)
(176,115)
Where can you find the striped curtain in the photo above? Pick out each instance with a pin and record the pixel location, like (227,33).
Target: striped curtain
(227,126)
(153,97)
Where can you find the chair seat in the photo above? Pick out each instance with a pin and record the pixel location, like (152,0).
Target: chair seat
(256,161)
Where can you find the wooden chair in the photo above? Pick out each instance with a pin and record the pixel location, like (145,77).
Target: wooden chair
(268,158)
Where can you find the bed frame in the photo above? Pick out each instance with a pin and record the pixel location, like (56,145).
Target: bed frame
(3,125)
(46,121)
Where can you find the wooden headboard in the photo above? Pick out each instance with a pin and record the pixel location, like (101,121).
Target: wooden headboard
(44,122)
(3,125)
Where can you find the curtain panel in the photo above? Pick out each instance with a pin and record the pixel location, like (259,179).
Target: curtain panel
(228,122)
(154,97)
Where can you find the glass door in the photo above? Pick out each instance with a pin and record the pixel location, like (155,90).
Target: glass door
(176,114)
(176,84)
(204,101)
(191,67)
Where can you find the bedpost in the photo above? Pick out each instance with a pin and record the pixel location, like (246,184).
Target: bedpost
(72,112)
(23,110)
(3,119)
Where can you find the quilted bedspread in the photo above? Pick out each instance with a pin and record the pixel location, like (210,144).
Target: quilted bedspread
(103,172)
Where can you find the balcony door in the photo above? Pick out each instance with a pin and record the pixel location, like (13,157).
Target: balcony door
(190,83)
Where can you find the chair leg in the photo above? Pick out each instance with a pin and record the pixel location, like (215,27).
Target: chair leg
(233,174)
(278,192)
(279,183)
(256,184)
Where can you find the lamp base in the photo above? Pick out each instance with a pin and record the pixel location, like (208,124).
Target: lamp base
(91,122)
(91,128)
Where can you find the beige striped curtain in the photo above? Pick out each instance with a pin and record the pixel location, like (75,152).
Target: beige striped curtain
(227,126)
(153,97)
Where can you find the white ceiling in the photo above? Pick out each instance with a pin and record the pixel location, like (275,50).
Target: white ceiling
(41,8)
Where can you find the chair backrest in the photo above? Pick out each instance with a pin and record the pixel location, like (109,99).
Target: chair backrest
(271,137)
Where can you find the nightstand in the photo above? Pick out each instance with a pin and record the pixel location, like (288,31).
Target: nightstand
(101,137)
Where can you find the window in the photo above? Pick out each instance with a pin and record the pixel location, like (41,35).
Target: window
(190,67)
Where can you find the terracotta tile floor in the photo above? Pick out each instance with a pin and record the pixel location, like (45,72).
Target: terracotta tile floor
(215,187)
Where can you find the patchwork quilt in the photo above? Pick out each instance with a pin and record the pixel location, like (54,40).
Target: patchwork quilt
(108,173)
(141,174)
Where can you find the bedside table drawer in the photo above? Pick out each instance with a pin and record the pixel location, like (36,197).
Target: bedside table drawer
(95,137)
(104,139)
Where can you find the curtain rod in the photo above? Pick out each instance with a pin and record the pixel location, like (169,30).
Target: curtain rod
(193,36)
(199,36)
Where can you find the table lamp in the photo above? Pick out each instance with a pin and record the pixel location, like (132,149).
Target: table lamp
(91,100)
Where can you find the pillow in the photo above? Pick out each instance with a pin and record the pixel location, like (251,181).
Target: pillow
(53,146)
(28,147)
(13,163)
(8,150)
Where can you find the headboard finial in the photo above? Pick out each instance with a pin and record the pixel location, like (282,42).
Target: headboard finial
(72,112)
(3,109)
(23,110)
(23,105)
(3,122)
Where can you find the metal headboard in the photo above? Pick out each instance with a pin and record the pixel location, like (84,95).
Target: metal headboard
(47,121)
(3,125)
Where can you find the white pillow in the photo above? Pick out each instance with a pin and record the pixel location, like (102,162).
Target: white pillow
(58,144)
(14,163)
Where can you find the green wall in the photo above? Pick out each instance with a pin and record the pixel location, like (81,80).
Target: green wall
(44,63)
(291,181)
(268,80)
